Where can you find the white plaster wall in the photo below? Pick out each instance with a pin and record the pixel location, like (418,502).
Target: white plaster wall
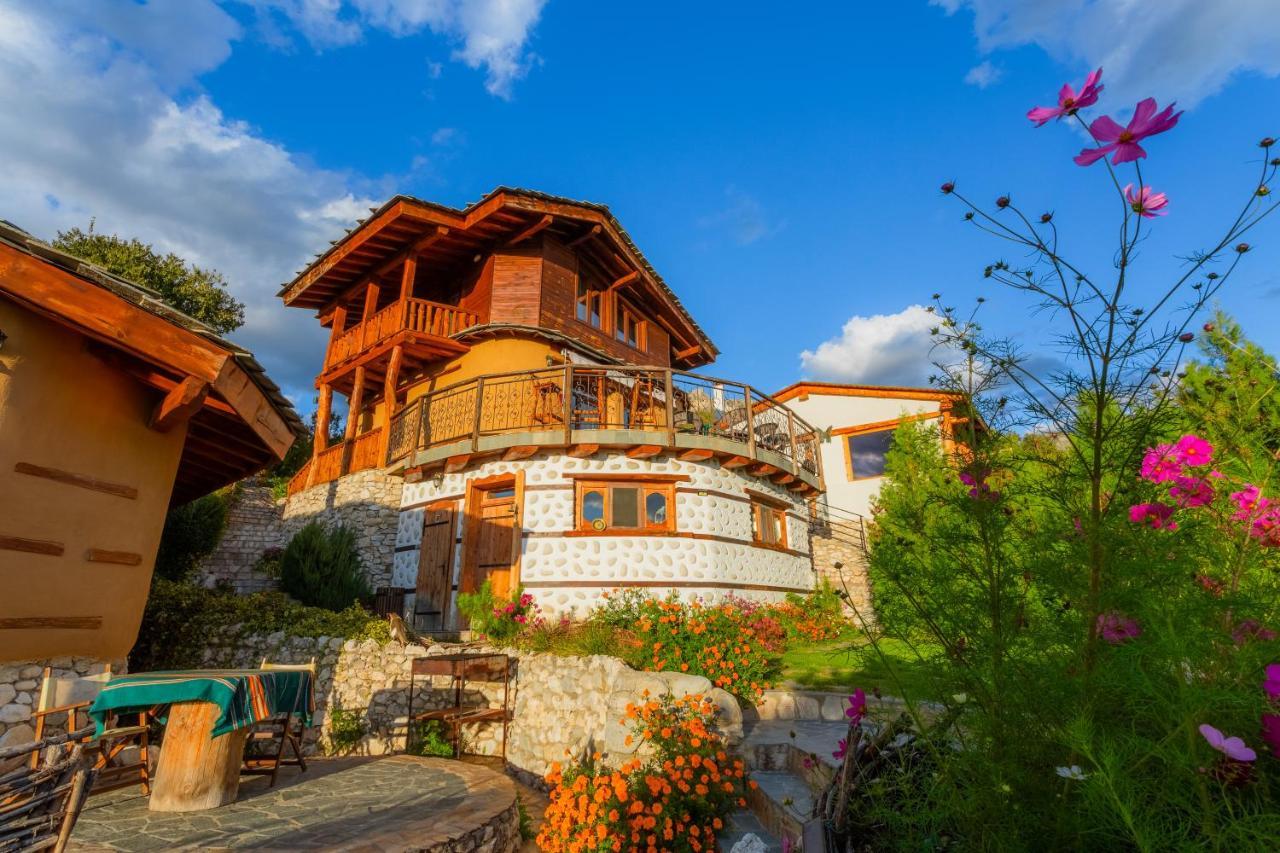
(613,561)
(827,411)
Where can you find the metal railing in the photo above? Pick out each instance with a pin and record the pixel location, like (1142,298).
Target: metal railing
(572,398)
(417,315)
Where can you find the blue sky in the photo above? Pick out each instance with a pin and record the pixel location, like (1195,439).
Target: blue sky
(779,168)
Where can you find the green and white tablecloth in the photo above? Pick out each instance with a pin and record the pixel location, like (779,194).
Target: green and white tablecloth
(245,696)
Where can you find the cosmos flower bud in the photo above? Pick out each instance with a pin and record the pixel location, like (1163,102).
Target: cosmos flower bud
(1266,142)
(1002,202)
(1186,337)
(948,187)
(1242,247)
(1211,276)
(1046,217)
(1264,191)
(1208,327)
(968,214)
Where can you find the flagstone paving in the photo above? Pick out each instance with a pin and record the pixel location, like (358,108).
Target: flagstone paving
(369,804)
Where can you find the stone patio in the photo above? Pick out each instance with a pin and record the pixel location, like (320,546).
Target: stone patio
(396,803)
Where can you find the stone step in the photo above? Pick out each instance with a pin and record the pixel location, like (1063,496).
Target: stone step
(737,832)
(781,801)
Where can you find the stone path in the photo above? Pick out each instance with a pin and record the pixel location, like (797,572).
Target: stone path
(382,804)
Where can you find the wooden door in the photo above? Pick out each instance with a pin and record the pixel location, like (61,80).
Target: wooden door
(496,540)
(435,562)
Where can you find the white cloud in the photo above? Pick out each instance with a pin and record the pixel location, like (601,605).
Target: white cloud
(983,75)
(1171,49)
(883,349)
(744,217)
(89,128)
(490,34)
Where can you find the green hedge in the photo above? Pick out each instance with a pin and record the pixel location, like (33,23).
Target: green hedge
(181,619)
(322,568)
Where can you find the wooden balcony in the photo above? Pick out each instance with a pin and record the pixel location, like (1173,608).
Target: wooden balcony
(423,329)
(583,409)
(346,457)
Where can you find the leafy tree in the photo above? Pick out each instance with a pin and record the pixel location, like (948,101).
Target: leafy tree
(196,292)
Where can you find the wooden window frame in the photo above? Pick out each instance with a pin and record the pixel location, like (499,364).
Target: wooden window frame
(624,310)
(592,294)
(759,510)
(844,434)
(646,487)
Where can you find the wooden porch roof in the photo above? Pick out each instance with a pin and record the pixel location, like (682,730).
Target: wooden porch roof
(450,239)
(239,421)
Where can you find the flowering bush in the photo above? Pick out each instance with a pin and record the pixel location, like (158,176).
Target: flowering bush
(501,620)
(675,799)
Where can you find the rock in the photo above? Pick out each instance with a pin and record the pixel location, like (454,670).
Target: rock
(26,684)
(15,713)
(807,708)
(9,673)
(31,672)
(6,694)
(729,714)
(680,684)
(15,736)
(749,843)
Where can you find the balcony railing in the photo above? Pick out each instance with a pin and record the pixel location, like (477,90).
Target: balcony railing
(579,404)
(346,457)
(415,315)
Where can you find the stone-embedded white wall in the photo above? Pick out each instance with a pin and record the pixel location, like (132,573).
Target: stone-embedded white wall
(366,501)
(693,566)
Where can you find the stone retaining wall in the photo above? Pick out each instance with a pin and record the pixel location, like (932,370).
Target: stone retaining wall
(368,502)
(842,561)
(563,706)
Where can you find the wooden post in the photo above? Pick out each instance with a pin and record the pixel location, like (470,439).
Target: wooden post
(339,326)
(196,771)
(671,408)
(370,308)
(751,422)
(321,439)
(407,276)
(791,430)
(354,404)
(390,401)
(475,426)
(568,404)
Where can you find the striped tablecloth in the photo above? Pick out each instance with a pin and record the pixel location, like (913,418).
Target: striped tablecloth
(245,696)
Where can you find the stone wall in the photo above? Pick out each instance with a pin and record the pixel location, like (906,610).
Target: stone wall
(368,502)
(563,706)
(20,693)
(840,558)
(254,525)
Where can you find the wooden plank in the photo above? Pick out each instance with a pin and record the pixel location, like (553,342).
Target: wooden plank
(38,623)
(644,451)
(184,400)
(531,230)
(82,481)
(586,235)
(335,255)
(456,463)
(696,455)
(688,352)
(251,405)
(120,558)
(762,469)
(626,279)
(735,462)
(407,276)
(782,478)
(31,546)
(582,451)
(520,451)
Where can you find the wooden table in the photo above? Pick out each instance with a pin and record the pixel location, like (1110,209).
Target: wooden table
(197,771)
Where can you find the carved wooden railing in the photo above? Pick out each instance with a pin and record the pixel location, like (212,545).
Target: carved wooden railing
(663,402)
(346,457)
(416,315)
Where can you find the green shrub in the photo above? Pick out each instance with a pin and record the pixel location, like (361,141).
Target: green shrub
(322,568)
(181,618)
(430,738)
(346,730)
(191,532)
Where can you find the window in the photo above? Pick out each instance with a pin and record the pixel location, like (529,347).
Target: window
(630,328)
(630,505)
(590,304)
(864,453)
(768,525)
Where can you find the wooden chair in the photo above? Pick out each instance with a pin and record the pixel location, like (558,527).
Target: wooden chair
(39,805)
(644,414)
(70,698)
(275,734)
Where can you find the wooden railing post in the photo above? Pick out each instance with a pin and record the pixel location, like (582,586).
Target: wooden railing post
(567,403)
(475,427)
(751,421)
(671,407)
(791,430)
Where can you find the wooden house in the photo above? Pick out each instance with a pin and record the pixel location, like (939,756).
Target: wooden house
(113,408)
(528,373)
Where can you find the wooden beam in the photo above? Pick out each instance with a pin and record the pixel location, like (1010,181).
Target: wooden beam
(626,279)
(186,398)
(582,451)
(253,407)
(87,623)
(390,401)
(584,236)
(407,276)
(762,469)
(696,455)
(688,352)
(371,291)
(782,478)
(323,412)
(119,558)
(31,546)
(346,246)
(531,230)
(644,451)
(83,481)
(799,486)
(355,403)
(454,464)
(520,451)
(735,462)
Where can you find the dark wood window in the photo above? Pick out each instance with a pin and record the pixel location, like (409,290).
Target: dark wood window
(637,505)
(768,525)
(630,328)
(590,309)
(864,453)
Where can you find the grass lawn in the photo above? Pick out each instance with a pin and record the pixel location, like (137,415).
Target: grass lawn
(852,662)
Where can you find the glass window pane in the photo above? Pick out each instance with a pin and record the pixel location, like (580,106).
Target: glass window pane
(778,520)
(594,300)
(626,507)
(582,311)
(655,509)
(501,493)
(866,452)
(593,507)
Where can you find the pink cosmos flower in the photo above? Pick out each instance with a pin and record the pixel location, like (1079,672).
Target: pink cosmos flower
(1193,450)
(1157,516)
(980,490)
(1116,628)
(1251,629)
(1161,464)
(1271,732)
(1232,747)
(857,705)
(1272,684)
(1146,202)
(1191,492)
(842,747)
(1069,101)
(1266,527)
(1249,501)
(1123,141)
(1210,585)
